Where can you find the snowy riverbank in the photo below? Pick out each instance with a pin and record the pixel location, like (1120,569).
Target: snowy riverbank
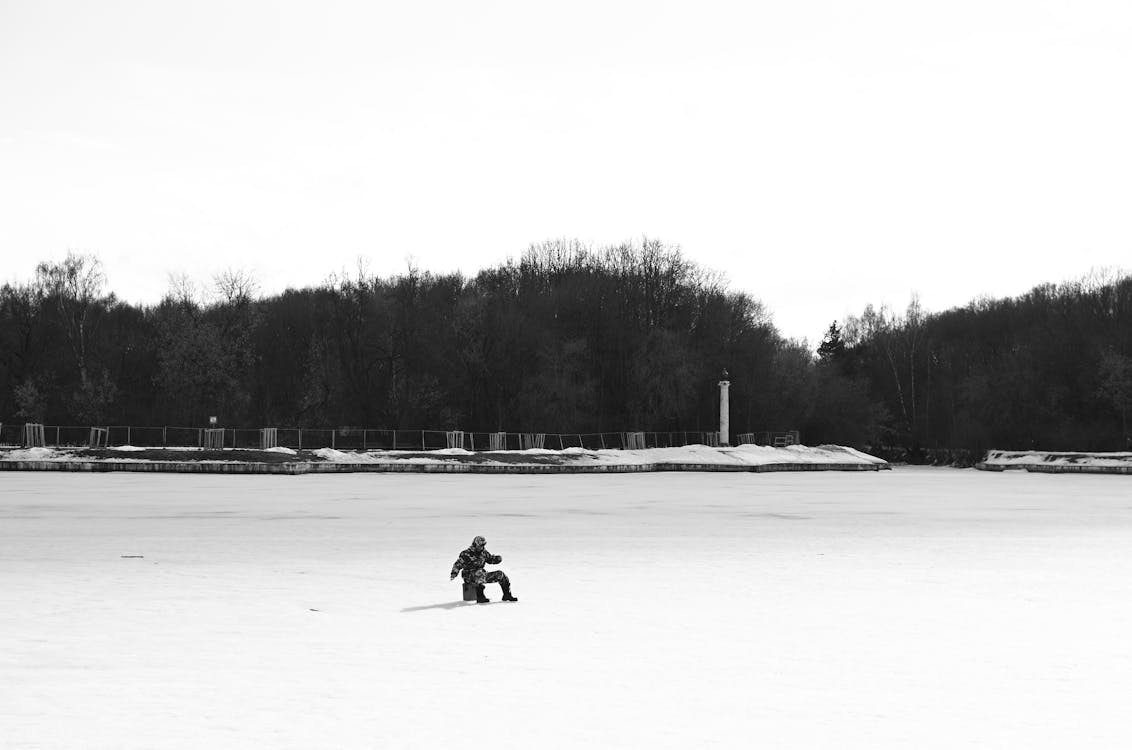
(455,460)
(1058,462)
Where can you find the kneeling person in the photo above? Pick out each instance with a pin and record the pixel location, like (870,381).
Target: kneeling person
(471,562)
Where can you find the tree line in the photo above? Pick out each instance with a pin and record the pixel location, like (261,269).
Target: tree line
(1050,369)
(566,338)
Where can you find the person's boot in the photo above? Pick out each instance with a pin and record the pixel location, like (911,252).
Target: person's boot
(480,598)
(507,593)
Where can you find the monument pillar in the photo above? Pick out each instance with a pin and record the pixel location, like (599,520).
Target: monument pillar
(724,411)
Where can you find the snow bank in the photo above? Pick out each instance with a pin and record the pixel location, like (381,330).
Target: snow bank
(742,455)
(36,454)
(344,457)
(690,455)
(1000,459)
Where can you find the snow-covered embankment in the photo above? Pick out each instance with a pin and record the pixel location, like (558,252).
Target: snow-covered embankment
(1058,462)
(533,461)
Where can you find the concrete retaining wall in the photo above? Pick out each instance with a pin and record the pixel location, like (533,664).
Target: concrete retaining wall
(1076,469)
(1058,462)
(251,467)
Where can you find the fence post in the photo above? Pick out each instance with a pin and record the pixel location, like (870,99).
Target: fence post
(198,437)
(363,440)
(34,436)
(164,437)
(422,440)
(128,434)
(56,436)
(333,434)
(300,438)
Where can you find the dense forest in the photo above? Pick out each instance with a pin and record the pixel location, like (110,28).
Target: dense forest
(567,339)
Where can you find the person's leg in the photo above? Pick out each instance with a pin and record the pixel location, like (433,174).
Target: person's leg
(498,576)
(480,579)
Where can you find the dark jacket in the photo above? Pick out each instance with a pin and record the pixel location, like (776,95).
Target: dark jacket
(473,559)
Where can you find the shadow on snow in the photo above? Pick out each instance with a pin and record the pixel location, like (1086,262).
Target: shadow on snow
(445,605)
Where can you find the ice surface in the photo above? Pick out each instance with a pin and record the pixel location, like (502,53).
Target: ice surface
(913,608)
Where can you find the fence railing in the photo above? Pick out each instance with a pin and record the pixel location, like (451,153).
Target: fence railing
(774,439)
(354,438)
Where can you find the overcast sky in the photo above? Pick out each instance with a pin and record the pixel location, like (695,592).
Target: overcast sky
(823,155)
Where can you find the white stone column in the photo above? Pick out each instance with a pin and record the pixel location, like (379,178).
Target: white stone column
(724,411)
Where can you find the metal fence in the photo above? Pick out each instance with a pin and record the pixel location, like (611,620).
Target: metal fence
(355,438)
(774,439)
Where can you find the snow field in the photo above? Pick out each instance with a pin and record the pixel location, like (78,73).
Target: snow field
(929,608)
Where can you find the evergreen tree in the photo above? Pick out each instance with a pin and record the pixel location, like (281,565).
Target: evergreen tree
(833,345)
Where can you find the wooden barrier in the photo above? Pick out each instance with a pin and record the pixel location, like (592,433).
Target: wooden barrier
(528,440)
(33,436)
(633,441)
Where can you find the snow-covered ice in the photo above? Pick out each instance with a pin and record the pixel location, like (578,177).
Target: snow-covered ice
(919,607)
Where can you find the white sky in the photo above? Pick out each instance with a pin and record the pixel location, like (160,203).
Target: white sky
(823,155)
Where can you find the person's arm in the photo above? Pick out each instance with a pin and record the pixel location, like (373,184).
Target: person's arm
(493,559)
(457,567)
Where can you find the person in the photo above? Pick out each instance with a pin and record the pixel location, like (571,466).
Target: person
(471,562)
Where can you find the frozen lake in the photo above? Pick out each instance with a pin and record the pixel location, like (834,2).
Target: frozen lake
(927,608)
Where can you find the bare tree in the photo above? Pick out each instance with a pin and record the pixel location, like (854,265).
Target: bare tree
(76,287)
(235,286)
(183,290)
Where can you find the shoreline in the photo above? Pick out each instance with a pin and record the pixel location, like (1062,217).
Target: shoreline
(308,467)
(1058,462)
(694,458)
